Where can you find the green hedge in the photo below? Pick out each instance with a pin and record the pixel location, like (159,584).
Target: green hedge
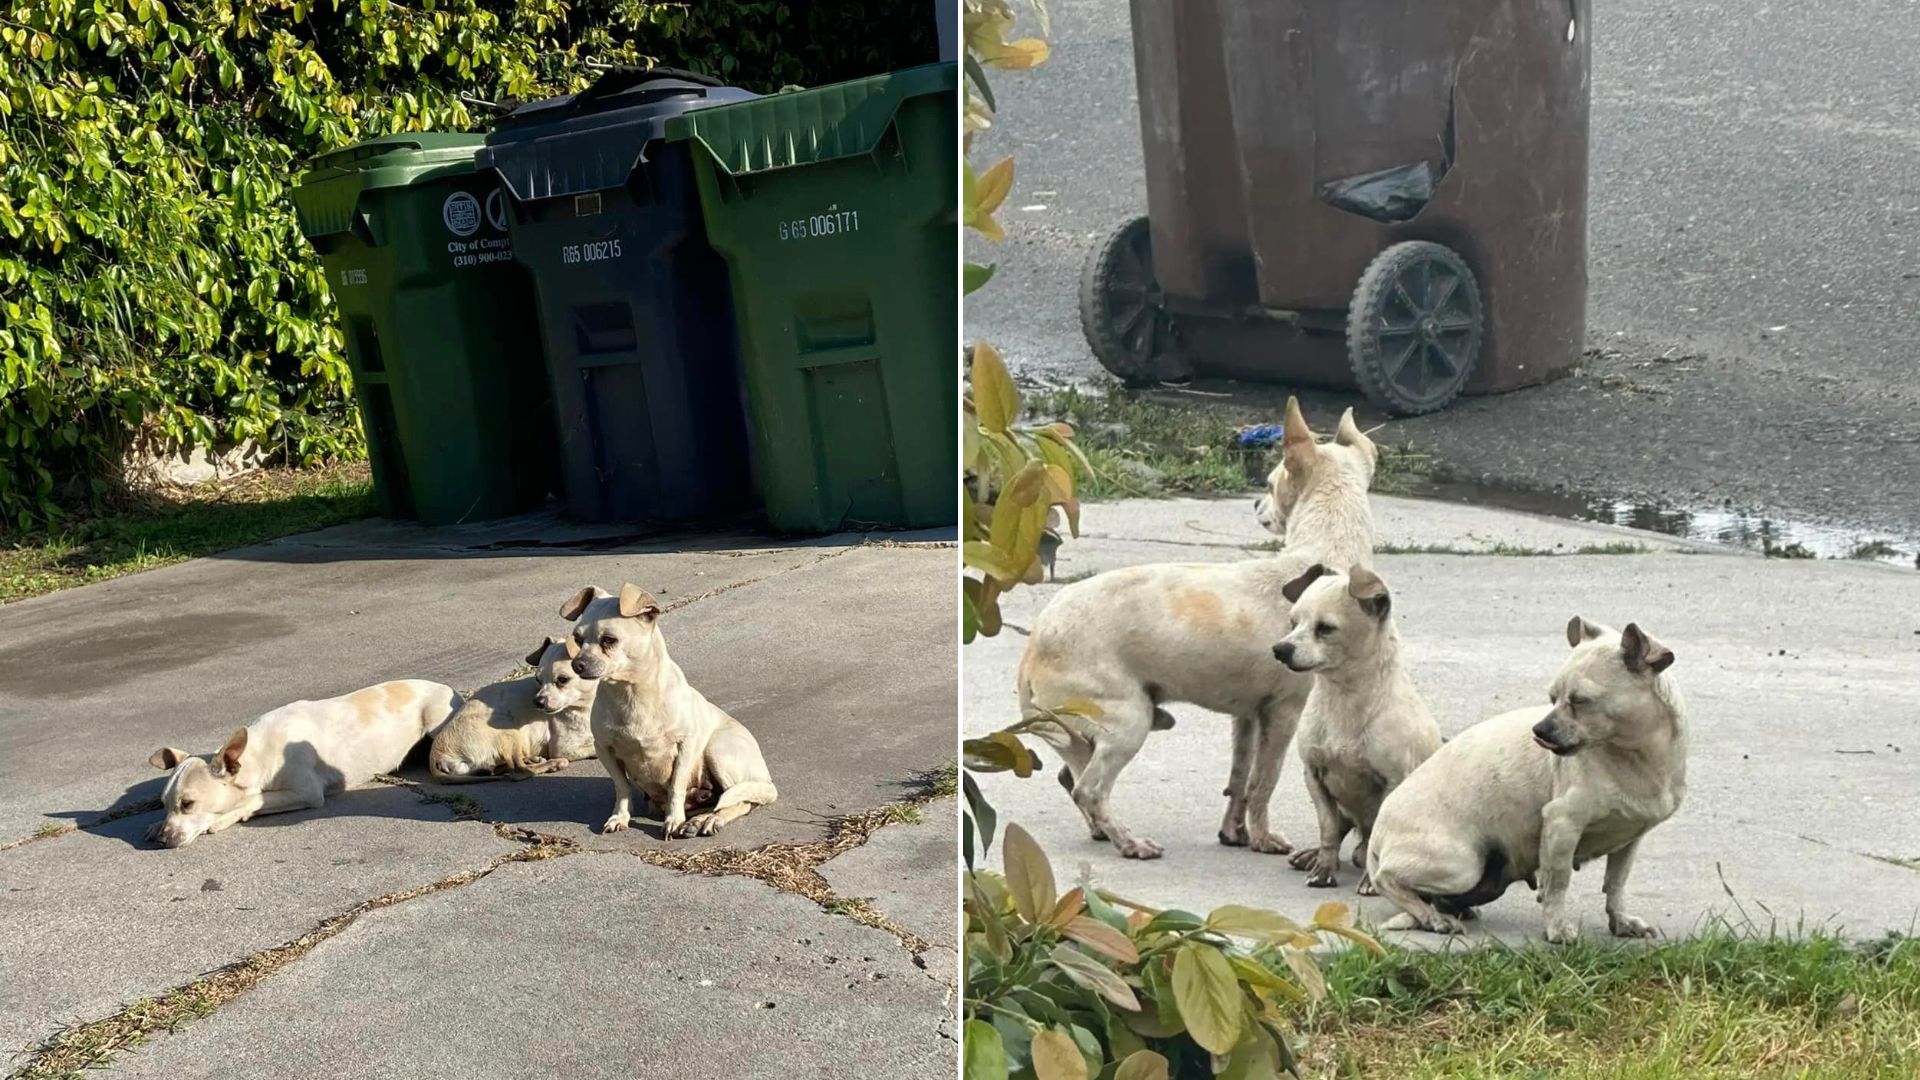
(152,279)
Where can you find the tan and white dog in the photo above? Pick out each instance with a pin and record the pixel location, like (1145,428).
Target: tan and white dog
(651,729)
(1365,726)
(1541,791)
(292,757)
(1132,639)
(524,726)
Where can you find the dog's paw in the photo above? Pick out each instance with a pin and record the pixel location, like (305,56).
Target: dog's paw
(1402,921)
(674,825)
(1233,837)
(1629,926)
(616,823)
(1365,888)
(701,825)
(1138,849)
(1562,931)
(1271,844)
(1323,866)
(1303,859)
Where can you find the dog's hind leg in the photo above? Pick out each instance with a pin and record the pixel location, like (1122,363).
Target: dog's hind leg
(1415,912)
(1278,718)
(1127,722)
(1246,737)
(733,765)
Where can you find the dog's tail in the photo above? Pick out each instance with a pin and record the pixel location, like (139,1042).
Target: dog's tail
(752,792)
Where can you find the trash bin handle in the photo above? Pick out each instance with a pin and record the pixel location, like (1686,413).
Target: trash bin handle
(615,78)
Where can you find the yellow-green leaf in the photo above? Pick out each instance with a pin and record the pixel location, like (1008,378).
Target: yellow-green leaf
(1307,971)
(994,396)
(986,1054)
(1252,922)
(1055,1057)
(1094,975)
(1139,1065)
(1029,874)
(1332,914)
(1208,996)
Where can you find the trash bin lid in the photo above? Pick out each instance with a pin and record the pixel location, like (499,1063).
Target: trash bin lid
(806,127)
(593,140)
(329,190)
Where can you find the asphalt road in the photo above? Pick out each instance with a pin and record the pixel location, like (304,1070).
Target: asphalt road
(1754,259)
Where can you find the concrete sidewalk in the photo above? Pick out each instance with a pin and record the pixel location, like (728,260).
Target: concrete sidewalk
(598,959)
(1802,680)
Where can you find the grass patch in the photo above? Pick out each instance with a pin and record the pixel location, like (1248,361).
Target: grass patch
(1720,1006)
(1873,549)
(1145,449)
(940,783)
(184,523)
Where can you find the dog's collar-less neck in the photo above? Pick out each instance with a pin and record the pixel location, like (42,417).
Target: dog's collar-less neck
(1325,527)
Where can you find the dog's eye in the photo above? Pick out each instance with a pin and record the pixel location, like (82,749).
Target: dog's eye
(606,642)
(1575,701)
(561,680)
(186,804)
(1324,629)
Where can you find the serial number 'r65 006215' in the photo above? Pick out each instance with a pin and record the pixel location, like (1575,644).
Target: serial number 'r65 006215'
(591,252)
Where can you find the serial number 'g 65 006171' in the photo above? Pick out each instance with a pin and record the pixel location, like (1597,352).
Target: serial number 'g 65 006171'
(831,223)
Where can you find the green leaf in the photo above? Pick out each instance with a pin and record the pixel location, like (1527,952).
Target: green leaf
(985,1053)
(973,275)
(1175,921)
(1140,1065)
(984,816)
(1209,996)
(1251,922)
(1093,975)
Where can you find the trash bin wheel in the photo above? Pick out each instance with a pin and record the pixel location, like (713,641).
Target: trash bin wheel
(1122,310)
(1414,330)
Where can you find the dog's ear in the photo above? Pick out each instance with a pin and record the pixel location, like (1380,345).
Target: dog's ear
(1642,652)
(167,758)
(1369,592)
(638,603)
(573,647)
(1349,434)
(1298,451)
(539,651)
(228,759)
(578,602)
(1579,630)
(1292,590)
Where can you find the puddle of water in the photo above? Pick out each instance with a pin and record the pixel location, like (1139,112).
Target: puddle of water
(1756,532)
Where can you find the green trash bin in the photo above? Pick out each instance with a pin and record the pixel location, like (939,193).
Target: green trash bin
(836,210)
(441,334)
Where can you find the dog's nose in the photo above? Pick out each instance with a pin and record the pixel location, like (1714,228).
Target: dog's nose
(1283,652)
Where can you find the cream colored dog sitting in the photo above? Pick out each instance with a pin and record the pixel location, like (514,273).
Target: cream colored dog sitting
(521,726)
(1540,791)
(292,757)
(1365,726)
(651,729)
(1132,639)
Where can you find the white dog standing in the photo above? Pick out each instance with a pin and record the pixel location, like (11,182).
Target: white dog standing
(292,757)
(1541,791)
(1130,639)
(1365,727)
(651,729)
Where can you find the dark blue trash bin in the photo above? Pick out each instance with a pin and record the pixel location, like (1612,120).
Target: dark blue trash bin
(634,305)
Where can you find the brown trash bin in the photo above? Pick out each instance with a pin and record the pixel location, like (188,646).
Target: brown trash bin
(1354,193)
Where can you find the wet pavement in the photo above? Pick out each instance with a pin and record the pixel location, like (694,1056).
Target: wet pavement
(1754,257)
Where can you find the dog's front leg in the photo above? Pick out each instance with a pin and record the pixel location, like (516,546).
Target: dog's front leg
(1277,722)
(248,807)
(1619,865)
(1560,830)
(622,788)
(1233,827)
(1323,863)
(686,762)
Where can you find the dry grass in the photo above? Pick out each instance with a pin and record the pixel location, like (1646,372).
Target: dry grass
(45,832)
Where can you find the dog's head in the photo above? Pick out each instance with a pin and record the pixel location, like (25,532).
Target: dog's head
(1609,691)
(561,687)
(1306,463)
(613,636)
(199,791)
(1336,618)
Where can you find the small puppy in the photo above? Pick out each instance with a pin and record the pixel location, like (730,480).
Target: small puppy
(1541,791)
(528,726)
(1365,726)
(653,731)
(1135,639)
(292,757)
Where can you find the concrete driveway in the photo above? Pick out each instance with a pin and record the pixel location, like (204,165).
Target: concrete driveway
(1802,680)
(486,929)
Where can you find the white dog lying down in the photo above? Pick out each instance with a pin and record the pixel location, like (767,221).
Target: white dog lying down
(290,758)
(1541,791)
(523,726)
